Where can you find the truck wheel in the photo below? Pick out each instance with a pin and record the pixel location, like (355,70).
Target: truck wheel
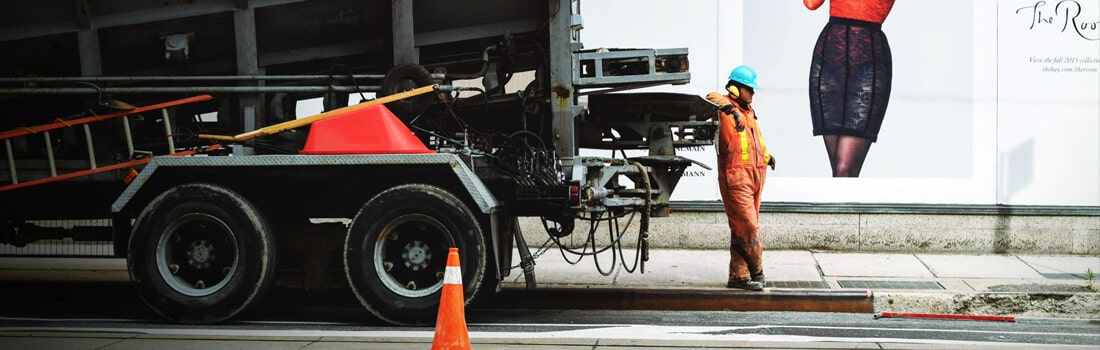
(396,252)
(201,253)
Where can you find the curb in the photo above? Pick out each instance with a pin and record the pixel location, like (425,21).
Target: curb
(1031,306)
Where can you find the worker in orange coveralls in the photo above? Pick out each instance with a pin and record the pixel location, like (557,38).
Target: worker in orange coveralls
(742,164)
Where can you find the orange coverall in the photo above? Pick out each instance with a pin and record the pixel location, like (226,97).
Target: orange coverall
(742,165)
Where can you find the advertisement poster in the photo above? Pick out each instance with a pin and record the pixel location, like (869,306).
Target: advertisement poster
(1048,104)
(990,102)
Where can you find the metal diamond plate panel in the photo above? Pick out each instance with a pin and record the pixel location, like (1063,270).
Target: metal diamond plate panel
(485,200)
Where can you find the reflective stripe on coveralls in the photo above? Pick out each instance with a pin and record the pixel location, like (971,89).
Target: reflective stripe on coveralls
(744,147)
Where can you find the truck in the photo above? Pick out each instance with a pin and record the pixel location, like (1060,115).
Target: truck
(169,132)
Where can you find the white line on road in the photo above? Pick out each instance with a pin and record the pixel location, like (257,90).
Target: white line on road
(616,332)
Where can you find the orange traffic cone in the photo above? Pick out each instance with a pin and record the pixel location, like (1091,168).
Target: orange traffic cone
(450,324)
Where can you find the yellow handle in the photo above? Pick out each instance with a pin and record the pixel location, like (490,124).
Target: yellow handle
(284,126)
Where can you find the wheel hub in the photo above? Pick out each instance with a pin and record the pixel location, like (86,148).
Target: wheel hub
(201,254)
(405,255)
(196,254)
(416,255)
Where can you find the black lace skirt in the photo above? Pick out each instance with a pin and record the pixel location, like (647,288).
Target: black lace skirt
(850,79)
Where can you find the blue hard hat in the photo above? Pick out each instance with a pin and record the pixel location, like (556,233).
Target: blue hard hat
(744,75)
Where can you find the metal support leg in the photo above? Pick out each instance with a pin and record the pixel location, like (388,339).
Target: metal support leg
(49,154)
(168,131)
(11,161)
(91,150)
(527,262)
(128,136)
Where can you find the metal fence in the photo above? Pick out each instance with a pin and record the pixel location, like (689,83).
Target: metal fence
(62,244)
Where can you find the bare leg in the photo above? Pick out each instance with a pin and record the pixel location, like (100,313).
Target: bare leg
(849,153)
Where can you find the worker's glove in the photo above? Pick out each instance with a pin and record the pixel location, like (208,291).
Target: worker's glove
(771,162)
(727,109)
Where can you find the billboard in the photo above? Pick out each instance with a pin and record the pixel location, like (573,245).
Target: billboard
(991,102)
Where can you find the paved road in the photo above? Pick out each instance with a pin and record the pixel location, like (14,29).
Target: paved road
(558,330)
(105,316)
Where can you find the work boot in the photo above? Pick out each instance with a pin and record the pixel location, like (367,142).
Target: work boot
(758,277)
(746,284)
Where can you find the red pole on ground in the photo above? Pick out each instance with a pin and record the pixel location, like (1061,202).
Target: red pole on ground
(947,316)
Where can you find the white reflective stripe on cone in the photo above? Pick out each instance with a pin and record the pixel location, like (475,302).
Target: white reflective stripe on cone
(452,275)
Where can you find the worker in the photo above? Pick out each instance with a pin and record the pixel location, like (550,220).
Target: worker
(850,75)
(742,164)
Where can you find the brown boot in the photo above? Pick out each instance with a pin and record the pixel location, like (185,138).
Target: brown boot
(746,284)
(758,277)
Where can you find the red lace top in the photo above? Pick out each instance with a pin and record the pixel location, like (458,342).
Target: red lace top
(864,10)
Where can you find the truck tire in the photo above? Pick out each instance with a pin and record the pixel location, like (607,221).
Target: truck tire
(396,252)
(201,254)
(405,77)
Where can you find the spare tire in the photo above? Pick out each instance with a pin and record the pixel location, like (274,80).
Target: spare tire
(405,77)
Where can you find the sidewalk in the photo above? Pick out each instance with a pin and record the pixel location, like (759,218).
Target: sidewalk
(1046,286)
(1015,285)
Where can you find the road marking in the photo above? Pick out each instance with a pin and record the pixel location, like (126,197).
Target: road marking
(617,332)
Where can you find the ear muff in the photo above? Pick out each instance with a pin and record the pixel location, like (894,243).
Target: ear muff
(734,90)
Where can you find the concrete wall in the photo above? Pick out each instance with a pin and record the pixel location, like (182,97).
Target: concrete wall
(944,233)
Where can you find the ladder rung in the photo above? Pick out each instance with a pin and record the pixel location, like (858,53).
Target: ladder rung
(57,125)
(84,121)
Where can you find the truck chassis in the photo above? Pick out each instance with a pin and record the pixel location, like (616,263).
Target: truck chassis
(211,222)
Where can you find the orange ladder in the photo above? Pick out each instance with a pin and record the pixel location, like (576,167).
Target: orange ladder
(7,136)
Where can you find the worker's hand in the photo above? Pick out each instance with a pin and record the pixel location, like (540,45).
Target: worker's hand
(771,162)
(727,109)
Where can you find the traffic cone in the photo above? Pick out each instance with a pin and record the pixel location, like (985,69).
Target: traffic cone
(450,324)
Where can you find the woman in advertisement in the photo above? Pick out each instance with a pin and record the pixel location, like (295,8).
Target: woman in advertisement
(850,78)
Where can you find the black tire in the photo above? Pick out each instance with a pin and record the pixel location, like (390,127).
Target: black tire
(405,77)
(201,254)
(396,252)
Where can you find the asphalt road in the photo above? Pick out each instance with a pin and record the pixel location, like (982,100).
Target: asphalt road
(109,316)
